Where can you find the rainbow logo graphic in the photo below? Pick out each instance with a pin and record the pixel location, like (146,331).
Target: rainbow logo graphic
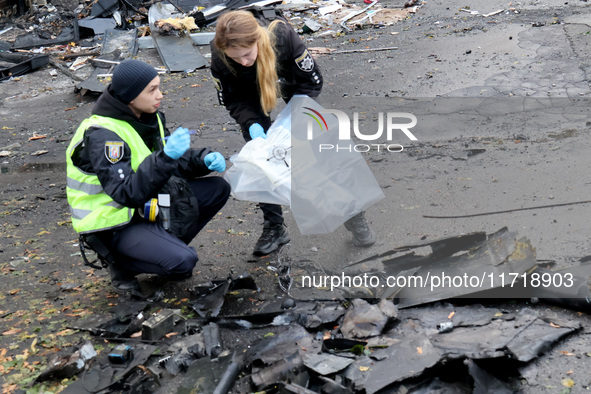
(316,118)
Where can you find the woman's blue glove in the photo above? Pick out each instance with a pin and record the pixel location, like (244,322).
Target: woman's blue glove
(215,161)
(256,130)
(177,143)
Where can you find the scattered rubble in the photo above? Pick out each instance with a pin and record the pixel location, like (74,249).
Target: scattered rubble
(400,342)
(106,30)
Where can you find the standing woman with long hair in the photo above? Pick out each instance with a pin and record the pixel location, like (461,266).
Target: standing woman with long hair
(252,66)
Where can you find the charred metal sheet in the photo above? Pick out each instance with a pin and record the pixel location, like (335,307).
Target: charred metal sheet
(203,375)
(523,338)
(104,8)
(279,371)
(210,296)
(567,287)
(538,337)
(326,364)
(212,340)
(32,40)
(462,266)
(296,389)
(405,359)
(186,6)
(467,316)
(331,386)
(210,14)
(484,382)
(272,349)
(23,64)
(363,320)
(103,375)
(323,314)
(211,300)
(177,52)
(97,25)
(194,344)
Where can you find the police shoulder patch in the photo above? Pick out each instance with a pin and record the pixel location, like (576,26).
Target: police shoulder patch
(114,151)
(305,62)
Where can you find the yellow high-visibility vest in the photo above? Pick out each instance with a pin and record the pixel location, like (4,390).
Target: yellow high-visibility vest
(91,208)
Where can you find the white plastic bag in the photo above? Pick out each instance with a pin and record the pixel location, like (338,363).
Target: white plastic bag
(261,171)
(329,186)
(323,189)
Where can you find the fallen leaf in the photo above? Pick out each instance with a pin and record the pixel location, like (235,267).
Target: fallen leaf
(65,332)
(570,372)
(37,137)
(363,369)
(451,315)
(564,352)
(554,325)
(136,334)
(11,332)
(567,382)
(171,334)
(13,292)
(420,350)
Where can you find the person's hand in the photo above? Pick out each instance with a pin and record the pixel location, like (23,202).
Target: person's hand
(177,143)
(215,161)
(256,130)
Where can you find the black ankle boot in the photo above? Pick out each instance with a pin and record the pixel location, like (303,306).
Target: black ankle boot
(362,234)
(272,237)
(121,280)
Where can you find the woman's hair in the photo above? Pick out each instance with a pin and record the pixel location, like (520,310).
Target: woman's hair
(240,29)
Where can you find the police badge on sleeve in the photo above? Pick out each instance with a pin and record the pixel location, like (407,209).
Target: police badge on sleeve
(114,151)
(305,62)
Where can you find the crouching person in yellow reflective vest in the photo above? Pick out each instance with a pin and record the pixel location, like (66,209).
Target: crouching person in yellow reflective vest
(120,161)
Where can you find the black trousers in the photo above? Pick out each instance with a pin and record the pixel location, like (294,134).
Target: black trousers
(145,247)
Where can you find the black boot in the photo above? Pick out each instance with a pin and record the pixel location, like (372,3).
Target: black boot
(272,237)
(362,234)
(121,280)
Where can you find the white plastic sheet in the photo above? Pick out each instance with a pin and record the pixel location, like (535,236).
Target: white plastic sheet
(261,171)
(324,188)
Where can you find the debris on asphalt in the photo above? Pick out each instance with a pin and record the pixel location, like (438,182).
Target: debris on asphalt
(66,366)
(22,64)
(349,345)
(71,40)
(158,325)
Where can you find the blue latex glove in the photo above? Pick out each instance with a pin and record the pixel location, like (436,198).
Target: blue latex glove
(215,161)
(256,130)
(177,143)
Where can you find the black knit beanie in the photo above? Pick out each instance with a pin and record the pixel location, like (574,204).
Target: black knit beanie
(130,78)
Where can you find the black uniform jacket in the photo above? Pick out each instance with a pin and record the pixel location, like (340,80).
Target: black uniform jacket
(125,186)
(238,91)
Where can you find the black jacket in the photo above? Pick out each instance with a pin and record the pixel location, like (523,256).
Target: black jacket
(129,188)
(238,91)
